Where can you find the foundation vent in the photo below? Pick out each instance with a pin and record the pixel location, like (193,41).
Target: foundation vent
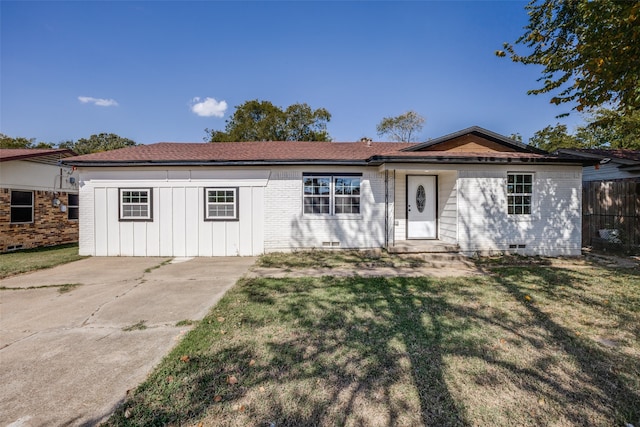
(330,244)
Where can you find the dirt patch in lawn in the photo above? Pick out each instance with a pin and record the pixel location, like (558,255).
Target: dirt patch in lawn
(362,263)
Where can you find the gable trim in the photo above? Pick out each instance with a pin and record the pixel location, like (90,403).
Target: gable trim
(483,133)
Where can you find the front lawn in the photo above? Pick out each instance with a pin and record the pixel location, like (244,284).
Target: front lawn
(13,263)
(533,345)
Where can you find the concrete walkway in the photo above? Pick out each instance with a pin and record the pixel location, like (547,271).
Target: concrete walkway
(65,358)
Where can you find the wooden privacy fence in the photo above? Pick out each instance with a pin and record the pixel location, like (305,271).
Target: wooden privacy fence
(611,205)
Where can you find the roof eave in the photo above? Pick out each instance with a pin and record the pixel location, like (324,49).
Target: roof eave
(115,163)
(64,153)
(378,160)
(597,157)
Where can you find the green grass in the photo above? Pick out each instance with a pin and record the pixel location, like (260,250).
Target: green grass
(36,259)
(527,346)
(186,322)
(68,287)
(338,258)
(155,267)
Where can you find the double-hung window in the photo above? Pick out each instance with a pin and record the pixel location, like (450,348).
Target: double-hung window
(135,204)
(72,206)
(331,194)
(221,204)
(519,193)
(21,207)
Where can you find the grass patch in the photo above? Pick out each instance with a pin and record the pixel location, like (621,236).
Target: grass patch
(526,346)
(62,289)
(68,287)
(140,326)
(333,259)
(18,262)
(186,322)
(163,263)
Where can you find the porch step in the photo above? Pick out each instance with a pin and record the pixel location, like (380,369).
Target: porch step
(423,247)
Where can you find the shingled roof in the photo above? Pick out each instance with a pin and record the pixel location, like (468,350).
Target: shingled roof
(292,152)
(222,152)
(614,153)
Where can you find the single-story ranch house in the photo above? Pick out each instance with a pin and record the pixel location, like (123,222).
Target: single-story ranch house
(472,191)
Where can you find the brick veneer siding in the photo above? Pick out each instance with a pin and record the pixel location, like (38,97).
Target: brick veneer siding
(50,226)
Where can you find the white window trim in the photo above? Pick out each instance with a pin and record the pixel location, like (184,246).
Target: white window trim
(332,196)
(149,204)
(531,195)
(234,217)
(33,202)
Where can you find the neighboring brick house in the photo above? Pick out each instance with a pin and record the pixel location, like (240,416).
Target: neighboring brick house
(472,191)
(38,199)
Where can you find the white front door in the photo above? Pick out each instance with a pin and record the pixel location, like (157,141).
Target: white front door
(421,207)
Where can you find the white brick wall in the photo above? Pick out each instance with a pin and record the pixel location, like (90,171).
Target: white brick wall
(287,228)
(472,209)
(553,228)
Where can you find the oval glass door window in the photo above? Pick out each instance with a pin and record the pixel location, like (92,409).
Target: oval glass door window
(421,198)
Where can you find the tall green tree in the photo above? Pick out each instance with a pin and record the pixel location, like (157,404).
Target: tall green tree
(552,138)
(305,124)
(605,128)
(262,121)
(20,142)
(98,142)
(589,51)
(609,128)
(402,128)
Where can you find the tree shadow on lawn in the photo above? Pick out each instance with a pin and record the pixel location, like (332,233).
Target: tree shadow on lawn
(389,351)
(604,382)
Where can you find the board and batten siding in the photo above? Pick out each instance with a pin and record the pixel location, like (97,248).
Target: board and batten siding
(287,228)
(553,228)
(178,227)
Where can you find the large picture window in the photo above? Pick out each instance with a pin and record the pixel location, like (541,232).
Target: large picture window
(135,204)
(221,204)
(72,206)
(519,193)
(331,195)
(21,207)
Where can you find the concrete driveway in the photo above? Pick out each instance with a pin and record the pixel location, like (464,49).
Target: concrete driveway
(66,358)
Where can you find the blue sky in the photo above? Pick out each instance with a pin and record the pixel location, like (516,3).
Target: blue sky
(164,71)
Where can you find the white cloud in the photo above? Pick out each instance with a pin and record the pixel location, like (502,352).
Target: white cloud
(100,102)
(208,107)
